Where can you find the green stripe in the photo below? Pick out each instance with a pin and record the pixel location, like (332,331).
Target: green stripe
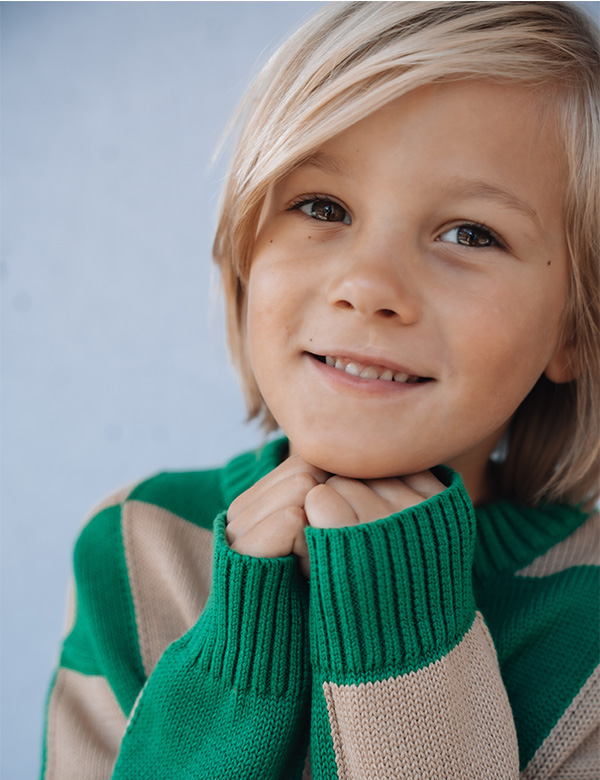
(510,536)
(193,495)
(321,737)
(539,626)
(105,626)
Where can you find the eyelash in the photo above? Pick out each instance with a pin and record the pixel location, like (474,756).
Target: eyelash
(304,200)
(495,238)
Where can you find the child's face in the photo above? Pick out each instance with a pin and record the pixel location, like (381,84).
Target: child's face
(428,239)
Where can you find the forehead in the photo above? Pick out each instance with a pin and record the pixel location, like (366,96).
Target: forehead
(473,138)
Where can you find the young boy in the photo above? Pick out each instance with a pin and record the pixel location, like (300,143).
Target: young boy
(408,250)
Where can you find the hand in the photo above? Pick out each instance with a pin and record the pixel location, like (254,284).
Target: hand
(268,520)
(341,501)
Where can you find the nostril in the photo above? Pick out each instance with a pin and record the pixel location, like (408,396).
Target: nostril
(387,312)
(344,304)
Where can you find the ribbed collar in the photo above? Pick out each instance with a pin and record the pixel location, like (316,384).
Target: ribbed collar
(509,536)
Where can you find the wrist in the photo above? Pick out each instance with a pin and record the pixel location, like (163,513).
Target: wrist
(255,624)
(395,593)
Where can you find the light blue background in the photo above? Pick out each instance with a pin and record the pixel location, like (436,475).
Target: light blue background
(114,363)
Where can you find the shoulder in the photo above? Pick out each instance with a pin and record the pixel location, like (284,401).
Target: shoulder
(154,507)
(580,548)
(143,564)
(149,529)
(194,496)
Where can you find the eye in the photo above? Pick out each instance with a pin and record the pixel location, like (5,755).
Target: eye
(324,210)
(472,235)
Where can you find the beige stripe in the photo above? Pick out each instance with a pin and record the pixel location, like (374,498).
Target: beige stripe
(581,548)
(169,562)
(450,720)
(114,499)
(307,771)
(71,609)
(85,728)
(570,752)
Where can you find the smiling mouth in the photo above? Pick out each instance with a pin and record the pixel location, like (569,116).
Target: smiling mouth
(367,371)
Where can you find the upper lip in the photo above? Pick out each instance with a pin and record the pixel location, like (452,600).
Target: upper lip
(370,359)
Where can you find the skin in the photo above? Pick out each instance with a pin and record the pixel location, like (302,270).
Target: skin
(369,252)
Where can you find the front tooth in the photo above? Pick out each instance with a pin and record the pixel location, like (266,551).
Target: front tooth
(353,369)
(387,373)
(399,377)
(369,373)
(330,361)
(339,364)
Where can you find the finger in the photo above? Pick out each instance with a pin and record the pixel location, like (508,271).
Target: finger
(273,537)
(408,491)
(290,467)
(396,493)
(326,508)
(424,483)
(365,503)
(290,492)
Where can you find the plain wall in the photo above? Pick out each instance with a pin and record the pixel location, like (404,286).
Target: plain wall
(114,362)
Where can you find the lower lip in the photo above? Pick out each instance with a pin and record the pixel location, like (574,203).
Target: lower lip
(358,383)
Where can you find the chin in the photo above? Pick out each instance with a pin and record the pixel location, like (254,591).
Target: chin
(360,462)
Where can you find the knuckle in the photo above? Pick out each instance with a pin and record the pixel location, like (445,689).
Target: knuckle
(303,482)
(294,517)
(235,508)
(336,481)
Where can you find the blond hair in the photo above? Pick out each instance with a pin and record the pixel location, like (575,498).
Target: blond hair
(351,59)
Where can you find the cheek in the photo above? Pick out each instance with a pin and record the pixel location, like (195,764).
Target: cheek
(271,318)
(508,347)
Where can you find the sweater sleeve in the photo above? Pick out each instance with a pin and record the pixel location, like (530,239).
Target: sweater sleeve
(406,681)
(227,699)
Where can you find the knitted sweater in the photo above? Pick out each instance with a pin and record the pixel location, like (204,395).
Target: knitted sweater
(439,642)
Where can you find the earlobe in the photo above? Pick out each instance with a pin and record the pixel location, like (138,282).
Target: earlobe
(561,367)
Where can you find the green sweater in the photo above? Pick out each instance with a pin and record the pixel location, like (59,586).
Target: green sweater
(439,642)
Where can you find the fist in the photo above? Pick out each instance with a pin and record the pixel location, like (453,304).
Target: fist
(340,501)
(268,520)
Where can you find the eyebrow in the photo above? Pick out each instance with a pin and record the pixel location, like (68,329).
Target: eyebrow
(341,166)
(485,190)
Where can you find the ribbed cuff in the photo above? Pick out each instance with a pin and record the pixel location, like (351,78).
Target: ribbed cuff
(253,633)
(393,595)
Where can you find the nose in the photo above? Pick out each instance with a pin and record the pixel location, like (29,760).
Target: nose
(376,285)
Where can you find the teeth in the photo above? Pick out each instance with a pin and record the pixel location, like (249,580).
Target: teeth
(370,372)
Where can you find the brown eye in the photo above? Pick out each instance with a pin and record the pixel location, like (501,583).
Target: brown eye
(471,235)
(325,211)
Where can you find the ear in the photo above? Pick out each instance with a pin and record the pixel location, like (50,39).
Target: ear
(561,367)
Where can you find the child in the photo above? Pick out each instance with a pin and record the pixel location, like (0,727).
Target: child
(408,245)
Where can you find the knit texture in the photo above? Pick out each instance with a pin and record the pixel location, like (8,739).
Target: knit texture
(441,641)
